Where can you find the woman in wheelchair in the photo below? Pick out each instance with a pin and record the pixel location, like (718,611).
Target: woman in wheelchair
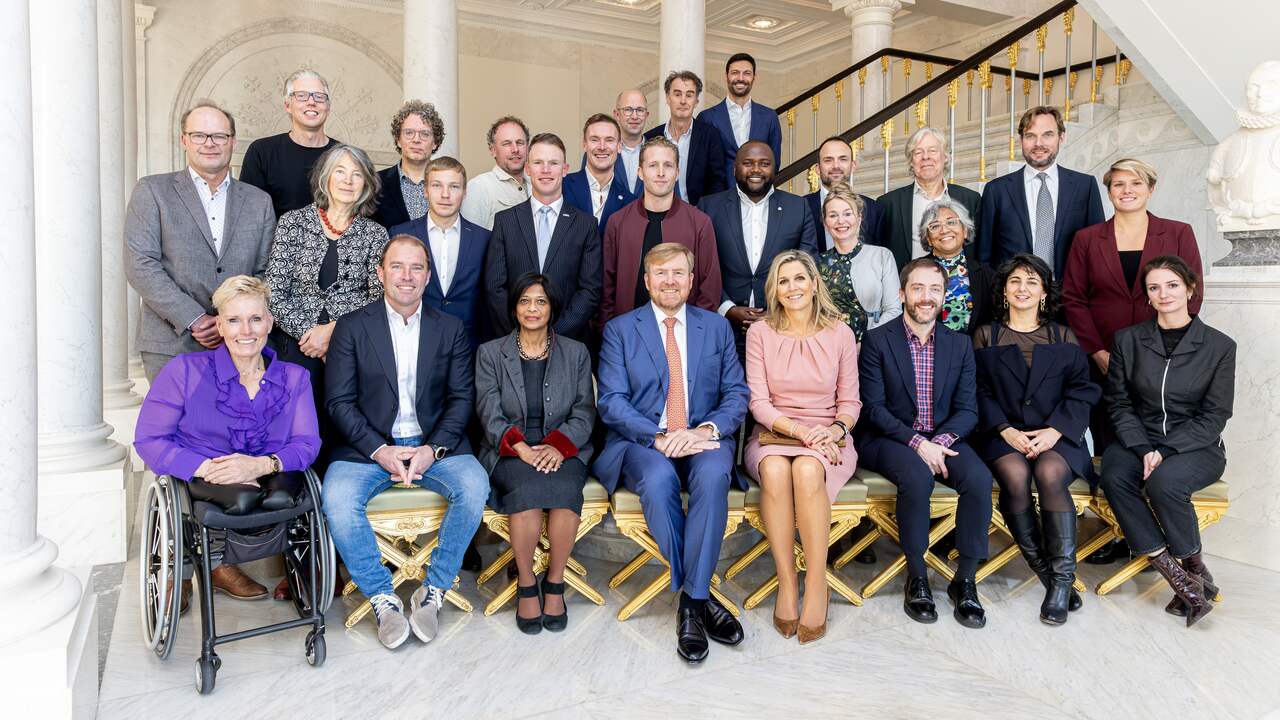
(235,423)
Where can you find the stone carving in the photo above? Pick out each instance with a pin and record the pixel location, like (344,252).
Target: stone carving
(1244,171)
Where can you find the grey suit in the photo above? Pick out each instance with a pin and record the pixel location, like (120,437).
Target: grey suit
(170,258)
(569,407)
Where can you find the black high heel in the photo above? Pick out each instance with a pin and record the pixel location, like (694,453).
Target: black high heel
(555,623)
(533,625)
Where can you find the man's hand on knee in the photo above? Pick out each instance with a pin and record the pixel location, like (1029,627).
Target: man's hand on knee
(935,456)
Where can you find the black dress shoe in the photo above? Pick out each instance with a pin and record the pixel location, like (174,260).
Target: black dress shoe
(720,624)
(918,601)
(968,609)
(691,636)
(471,558)
(1109,553)
(866,557)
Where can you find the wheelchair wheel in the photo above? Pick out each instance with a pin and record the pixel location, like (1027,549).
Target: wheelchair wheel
(315,649)
(328,553)
(160,567)
(297,558)
(207,674)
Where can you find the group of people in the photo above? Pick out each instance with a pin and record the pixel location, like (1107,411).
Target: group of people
(498,339)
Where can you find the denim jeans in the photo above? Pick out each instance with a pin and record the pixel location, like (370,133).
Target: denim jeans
(348,487)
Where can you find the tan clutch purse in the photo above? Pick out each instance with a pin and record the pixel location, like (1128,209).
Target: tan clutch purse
(769,437)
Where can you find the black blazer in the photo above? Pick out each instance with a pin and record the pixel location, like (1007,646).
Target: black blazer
(577,192)
(981,278)
(573,263)
(895,219)
(391,210)
(705,170)
(868,231)
(790,227)
(463,301)
(887,382)
(362,395)
(1004,229)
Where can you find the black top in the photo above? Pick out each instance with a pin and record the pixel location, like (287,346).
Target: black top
(652,237)
(1171,337)
(535,372)
(1130,262)
(328,275)
(282,168)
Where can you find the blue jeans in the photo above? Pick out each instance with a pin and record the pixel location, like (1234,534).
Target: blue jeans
(348,487)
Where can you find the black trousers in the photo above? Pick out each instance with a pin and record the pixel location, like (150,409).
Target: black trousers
(1157,513)
(286,348)
(966,474)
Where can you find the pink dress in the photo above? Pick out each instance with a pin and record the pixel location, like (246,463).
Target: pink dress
(811,381)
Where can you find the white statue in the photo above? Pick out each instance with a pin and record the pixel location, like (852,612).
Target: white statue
(1244,171)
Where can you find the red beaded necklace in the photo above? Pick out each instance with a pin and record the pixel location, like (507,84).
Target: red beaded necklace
(324,218)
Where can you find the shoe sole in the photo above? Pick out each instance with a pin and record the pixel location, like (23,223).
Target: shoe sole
(918,618)
(693,661)
(232,595)
(398,641)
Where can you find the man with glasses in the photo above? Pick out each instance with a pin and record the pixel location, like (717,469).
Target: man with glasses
(417,131)
(281,164)
(632,112)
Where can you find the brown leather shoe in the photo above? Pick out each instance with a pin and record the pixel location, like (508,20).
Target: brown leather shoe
(185,603)
(785,628)
(231,580)
(282,590)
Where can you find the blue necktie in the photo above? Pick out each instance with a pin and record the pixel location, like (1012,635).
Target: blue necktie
(544,234)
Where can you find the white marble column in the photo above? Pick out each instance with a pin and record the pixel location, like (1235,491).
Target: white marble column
(683,47)
(431,61)
(129,88)
(871,22)
(143,16)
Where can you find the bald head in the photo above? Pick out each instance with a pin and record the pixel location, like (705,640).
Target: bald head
(632,112)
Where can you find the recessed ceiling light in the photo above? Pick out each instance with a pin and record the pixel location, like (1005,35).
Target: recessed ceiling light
(762,22)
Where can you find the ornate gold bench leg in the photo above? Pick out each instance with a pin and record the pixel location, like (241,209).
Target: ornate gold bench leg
(502,598)
(861,544)
(762,592)
(637,562)
(578,583)
(574,565)
(496,566)
(724,600)
(1133,567)
(648,593)
(749,557)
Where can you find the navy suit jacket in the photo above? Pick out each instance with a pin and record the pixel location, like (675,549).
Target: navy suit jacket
(790,227)
(577,192)
(868,231)
(574,264)
(463,300)
(704,171)
(1005,227)
(391,210)
(887,381)
(764,127)
(632,383)
(363,397)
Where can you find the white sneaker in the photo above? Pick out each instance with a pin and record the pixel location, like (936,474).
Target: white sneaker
(393,629)
(424,612)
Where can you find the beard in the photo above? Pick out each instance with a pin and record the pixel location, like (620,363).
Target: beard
(1044,163)
(922,315)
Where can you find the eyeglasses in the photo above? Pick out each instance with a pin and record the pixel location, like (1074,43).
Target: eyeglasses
(199,138)
(416,134)
(303,96)
(633,110)
(949,223)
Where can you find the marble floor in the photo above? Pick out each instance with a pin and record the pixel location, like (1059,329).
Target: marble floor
(1121,656)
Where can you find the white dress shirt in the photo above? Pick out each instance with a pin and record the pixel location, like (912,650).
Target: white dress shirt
(631,161)
(683,145)
(739,120)
(215,205)
(488,193)
(681,331)
(1031,185)
(445,246)
(404,344)
(555,206)
(599,194)
(920,201)
(755,228)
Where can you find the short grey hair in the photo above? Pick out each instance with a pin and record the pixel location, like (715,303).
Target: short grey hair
(915,139)
(931,214)
(367,203)
(305,73)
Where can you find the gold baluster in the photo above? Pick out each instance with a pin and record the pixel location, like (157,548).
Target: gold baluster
(1026,92)
(906,77)
(886,140)
(1071,91)
(928,75)
(984,81)
(968,98)
(839,88)
(1012,54)
(1096,84)
(1125,66)
(812,176)
(922,110)
(814,103)
(953,93)
(791,131)
(884,81)
(1048,90)
(1042,34)
(1068,18)
(862,93)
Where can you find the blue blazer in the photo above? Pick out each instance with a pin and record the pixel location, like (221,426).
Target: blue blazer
(463,300)
(632,383)
(868,231)
(764,127)
(391,211)
(790,227)
(577,192)
(887,381)
(705,170)
(1004,229)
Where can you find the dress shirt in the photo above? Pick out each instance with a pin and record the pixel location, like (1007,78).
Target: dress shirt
(555,206)
(681,331)
(1031,184)
(215,205)
(740,120)
(683,145)
(755,228)
(490,192)
(444,248)
(404,345)
(599,194)
(415,198)
(630,161)
(920,201)
(922,365)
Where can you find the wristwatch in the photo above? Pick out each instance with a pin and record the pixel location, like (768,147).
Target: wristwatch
(276,468)
(441,452)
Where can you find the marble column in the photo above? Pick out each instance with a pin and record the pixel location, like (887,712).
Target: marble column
(683,45)
(143,16)
(871,22)
(431,61)
(129,90)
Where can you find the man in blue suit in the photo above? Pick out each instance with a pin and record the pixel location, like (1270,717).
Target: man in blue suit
(672,394)
(837,163)
(1039,208)
(754,222)
(455,247)
(701,152)
(919,401)
(738,118)
(598,188)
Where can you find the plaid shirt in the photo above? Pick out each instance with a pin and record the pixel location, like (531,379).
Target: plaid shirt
(922,363)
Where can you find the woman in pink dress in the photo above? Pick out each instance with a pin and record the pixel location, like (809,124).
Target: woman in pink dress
(802,368)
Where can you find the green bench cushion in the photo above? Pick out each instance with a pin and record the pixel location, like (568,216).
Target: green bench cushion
(625,501)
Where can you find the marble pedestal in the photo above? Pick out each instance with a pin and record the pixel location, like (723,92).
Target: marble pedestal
(85,514)
(53,674)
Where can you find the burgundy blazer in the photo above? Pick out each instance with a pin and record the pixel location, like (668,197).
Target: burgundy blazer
(1093,290)
(624,239)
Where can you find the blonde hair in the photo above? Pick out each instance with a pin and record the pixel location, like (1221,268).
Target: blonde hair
(842,191)
(238,286)
(1145,172)
(822,313)
(663,252)
(915,139)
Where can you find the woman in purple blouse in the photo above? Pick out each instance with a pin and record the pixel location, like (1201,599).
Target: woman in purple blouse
(238,425)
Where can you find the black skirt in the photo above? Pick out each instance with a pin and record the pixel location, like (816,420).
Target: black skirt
(516,486)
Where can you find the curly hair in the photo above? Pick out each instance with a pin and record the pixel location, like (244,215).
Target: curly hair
(427,113)
(1031,264)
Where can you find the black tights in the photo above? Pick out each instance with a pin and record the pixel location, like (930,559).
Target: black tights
(1052,476)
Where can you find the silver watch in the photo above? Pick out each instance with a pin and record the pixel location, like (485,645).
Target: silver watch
(441,452)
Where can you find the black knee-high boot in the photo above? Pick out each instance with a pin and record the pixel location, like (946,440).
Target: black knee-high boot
(1060,551)
(1025,528)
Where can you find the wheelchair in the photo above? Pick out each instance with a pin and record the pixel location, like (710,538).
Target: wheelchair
(175,546)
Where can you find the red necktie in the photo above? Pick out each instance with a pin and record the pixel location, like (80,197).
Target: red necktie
(675,387)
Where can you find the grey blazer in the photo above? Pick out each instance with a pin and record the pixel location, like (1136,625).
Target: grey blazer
(169,256)
(569,404)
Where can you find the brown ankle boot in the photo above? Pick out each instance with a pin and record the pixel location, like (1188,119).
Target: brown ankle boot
(1194,565)
(1188,587)
(231,580)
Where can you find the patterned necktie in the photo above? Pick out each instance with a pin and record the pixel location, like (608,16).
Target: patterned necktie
(1043,245)
(544,234)
(675,385)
